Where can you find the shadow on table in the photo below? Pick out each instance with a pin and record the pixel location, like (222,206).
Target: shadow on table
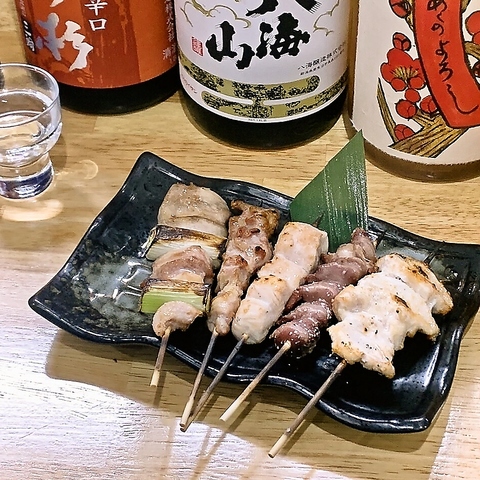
(126,370)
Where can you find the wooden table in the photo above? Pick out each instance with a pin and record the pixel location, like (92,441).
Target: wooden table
(72,409)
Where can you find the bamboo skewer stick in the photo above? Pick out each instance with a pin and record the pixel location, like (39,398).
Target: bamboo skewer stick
(161,355)
(301,416)
(206,394)
(198,379)
(234,406)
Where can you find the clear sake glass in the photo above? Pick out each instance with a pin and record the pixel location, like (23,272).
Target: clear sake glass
(30,125)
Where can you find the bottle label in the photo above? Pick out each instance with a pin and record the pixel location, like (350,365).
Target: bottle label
(263,60)
(417,79)
(99,43)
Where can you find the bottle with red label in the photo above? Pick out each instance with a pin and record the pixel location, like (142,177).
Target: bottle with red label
(416,86)
(108,56)
(263,73)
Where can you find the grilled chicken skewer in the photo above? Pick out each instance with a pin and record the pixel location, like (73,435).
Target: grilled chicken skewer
(376,315)
(248,248)
(299,330)
(296,255)
(185,267)
(187,215)
(385,308)
(302,325)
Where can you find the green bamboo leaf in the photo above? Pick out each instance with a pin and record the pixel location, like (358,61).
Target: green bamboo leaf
(336,199)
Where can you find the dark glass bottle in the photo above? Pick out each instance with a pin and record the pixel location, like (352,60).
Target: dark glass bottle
(265,135)
(120,99)
(108,57)
(271,77)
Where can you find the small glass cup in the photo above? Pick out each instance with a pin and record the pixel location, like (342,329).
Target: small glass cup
(30,125)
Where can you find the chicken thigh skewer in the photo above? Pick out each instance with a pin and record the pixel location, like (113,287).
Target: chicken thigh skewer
(184,270)
(296,255)
(248,248)
(374,318)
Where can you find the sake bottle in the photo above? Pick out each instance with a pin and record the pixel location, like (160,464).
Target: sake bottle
(108,56)
(263,74)
(415,86)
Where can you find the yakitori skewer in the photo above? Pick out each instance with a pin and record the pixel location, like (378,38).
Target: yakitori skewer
(185,246)
(296,255)
(248,248)
(374,318)
(299,329)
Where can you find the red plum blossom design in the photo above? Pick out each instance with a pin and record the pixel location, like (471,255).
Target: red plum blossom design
(413,114)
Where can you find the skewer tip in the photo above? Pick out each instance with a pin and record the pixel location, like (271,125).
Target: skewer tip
(278,445)
(231,410)
(155,378)
(186,412)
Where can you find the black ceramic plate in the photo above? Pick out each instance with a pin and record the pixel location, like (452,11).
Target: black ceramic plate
(95,296)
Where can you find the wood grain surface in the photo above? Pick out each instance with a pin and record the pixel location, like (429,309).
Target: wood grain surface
(71,409)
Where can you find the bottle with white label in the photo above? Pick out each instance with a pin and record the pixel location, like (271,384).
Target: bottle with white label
(415,86)
(263,73)
(107,56)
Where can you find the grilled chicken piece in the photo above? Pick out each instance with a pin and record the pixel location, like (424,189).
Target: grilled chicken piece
(259,310)
(302,245)
(295,254)
(298,250)
(176,315)
(380,295)
(190,264)
(195,208)
(302,327)
(374,317)
(223,308)
(325,290)
(361,238)
(343,270)
(418,275)
(363,338)
(349,263)
(248,248)
(283,268)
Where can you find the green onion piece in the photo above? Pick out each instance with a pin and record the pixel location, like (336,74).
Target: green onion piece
(336,199)
(157,292)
